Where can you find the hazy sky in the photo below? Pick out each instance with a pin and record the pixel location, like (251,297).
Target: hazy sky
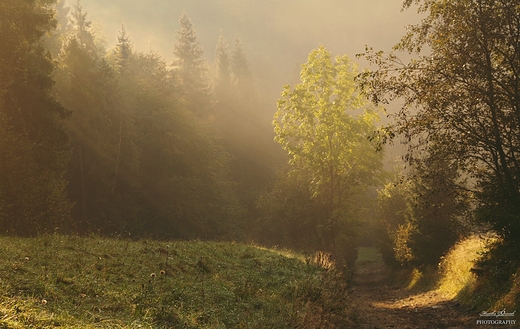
(277,34)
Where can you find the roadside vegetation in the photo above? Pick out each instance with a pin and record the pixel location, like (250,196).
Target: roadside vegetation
(459,276)
(459,120)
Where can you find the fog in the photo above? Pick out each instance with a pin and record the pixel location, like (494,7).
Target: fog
(277,34)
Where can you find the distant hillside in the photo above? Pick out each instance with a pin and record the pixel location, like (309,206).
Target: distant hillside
(73,282)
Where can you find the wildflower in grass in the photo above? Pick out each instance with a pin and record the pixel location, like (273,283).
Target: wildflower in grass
(26,258)
(163,272)
(153,275)
(44,301)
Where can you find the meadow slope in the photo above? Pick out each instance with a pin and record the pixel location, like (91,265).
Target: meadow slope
(77,282)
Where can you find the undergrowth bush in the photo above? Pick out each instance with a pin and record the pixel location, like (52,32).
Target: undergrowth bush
(497,284)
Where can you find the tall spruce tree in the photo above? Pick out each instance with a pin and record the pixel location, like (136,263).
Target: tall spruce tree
(238,125)
(87,86)
(191,68)
(34,148)
(123,50)
(223,91)
(81,28)
(55,40)
(242,75)
(184,188)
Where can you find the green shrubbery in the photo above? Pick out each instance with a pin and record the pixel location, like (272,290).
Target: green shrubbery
(421,215)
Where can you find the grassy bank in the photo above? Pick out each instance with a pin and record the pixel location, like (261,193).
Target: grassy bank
(458,276)
(75,282)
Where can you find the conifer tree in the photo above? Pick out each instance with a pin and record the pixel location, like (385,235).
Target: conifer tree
(191,68)
(34,148)
(87,86)
(125,180)
(55,41)
(183,185)
(80,28)
(241,71)
(123,50)
(223,70)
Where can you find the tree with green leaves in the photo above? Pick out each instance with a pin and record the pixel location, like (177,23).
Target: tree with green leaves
(438,208)
(191,68)
(421,214)
(394,217)
(34,148)
(329,147)
(461,99)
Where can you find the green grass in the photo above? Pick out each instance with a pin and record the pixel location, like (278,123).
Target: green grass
(75,282)
(456,276)
(369,255)
(482,291)
(454,279)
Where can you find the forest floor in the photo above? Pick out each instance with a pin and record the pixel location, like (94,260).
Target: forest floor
(379,304)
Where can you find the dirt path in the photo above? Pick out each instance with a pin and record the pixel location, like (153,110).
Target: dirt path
(380,306)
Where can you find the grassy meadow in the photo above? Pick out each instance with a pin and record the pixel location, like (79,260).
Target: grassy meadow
(77,282)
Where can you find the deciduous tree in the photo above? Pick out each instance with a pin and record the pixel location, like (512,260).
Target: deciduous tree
(462,96)
(328,144)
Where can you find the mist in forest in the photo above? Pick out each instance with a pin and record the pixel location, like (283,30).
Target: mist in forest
(277,34)
(160,116)
(299,124)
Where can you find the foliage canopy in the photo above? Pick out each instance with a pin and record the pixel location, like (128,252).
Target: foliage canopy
(329,149)
(461,98)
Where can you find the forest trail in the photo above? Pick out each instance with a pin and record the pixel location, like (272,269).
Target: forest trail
(379,305)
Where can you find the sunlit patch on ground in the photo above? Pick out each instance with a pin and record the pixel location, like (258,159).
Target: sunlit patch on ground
(380,304)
